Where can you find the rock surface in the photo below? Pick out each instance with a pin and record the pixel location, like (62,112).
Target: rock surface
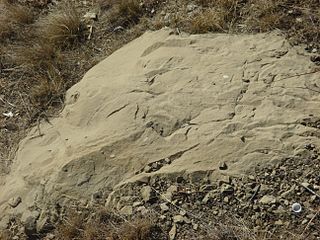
(171,105)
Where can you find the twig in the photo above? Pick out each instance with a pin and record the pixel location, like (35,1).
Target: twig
(255,193)
(311,220)
(309,189)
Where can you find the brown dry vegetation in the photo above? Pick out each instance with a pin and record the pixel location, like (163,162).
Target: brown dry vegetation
(45,49)
(105,225)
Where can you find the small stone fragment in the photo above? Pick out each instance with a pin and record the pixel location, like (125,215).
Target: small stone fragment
(173,232)
(178,219)
(126,210)
(313,198)
(226,189)
(195,226)
(279,223)
(137,204)
(91,15)
(251,177)
(170,191)
(14,202)
(147,169)
(167,160)
(268,199)
(29,214)
(224,179)
(146,193)
(183,212)
(142,210)
(164,207)
(223,166)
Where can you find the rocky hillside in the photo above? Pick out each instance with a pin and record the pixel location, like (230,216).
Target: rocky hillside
(187,118)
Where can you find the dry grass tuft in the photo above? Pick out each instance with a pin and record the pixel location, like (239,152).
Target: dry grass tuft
(37,58)
(6,28)
(63,27)
(105,4)
(19,14)
(138,230)
(47,91)
(125,13)
(107,226)
(12,16)
(207,21)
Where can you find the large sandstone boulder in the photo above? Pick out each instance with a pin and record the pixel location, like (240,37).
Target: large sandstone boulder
(167,104)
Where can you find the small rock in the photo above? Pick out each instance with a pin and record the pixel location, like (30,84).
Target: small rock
(167,160)
(127,210)
(172,189)
(147,169)
(27,214)
(310,216)
(287,193)
(164,207)
(223,166)
(268,199)
(142,210)
(169,193)
(183,212)
(278,223)
(155,165)
(224,179)
(313,198)
(146,193)
(137,204)
(14,202)
(226,189)
(91,15)
(305,221)
(173,232)
(251,177)
(178,219)
(195,226)
(191,7)
(215,212)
